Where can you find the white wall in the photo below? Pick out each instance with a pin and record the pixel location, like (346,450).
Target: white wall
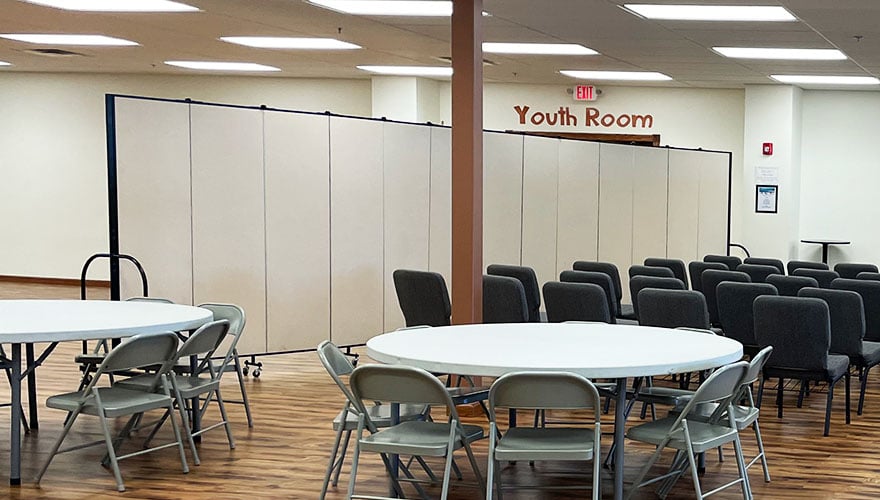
(53,194)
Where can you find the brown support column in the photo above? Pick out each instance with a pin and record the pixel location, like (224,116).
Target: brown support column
(467,162)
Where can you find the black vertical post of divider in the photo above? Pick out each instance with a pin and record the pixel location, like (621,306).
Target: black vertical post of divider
(112,200)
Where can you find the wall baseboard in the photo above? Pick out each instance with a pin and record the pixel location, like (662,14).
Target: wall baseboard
(39,280)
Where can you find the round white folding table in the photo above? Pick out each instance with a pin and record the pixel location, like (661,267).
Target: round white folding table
(594,350)
(30,321)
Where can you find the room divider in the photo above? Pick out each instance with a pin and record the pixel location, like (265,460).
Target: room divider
(300,218)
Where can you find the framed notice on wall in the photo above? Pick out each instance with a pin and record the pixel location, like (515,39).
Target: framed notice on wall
(766,198)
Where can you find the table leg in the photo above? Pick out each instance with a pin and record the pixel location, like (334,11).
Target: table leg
(32,386)
(824,253)
(394,459)
(195,415)
(619,428)
(15,412)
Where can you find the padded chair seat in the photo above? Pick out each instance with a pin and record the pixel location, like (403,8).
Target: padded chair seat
(380,415)
(627,312)
(418,438)
(870,353)
(117,401)
(838,365)
(703,436)
(561,443)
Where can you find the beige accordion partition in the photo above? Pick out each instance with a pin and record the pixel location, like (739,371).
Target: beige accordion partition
(301,218)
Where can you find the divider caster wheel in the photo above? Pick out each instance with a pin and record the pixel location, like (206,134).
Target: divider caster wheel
(257,373)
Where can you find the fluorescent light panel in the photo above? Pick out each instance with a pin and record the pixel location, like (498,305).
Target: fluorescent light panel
(782,54)
(273,42)
(538,48)
(4,63)
(409,70)
(388,7)
(59,39)
(826,79)
(643,76)
(711,12)
(222,66)
(117,5)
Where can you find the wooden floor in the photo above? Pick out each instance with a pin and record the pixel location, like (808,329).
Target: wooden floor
(285,454)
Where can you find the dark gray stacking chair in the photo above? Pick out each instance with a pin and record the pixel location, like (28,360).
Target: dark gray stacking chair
(624,311)
(526,276)
(736,313)
(672,308)
(868,276)
(660,272)
(799,329)
(850,270)
(822,276)
(757,272)
(575,302)
(676,266)
(789,286)
(711,278)
(423,297)
(761,261)
(731,261)
(504,300)
(637,283)
(848,331)
(870,292)
(695,270)
(595,278)
(794,265)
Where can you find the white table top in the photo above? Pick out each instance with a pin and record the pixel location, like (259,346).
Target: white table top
(25,321)
(594,350)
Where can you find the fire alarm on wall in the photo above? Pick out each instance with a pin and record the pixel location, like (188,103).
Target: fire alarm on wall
(767,149)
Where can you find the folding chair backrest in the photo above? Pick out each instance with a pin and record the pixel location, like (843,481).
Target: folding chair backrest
(543,390)
(720,387)
(205,340)
(423,297)
(337,365)
(756,364)
(141,350)
(529,280)
(157,300)
(677,267)
(399,384)
(847,318)
(237,320)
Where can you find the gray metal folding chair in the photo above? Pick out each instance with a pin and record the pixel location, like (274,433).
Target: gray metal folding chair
(691,437)
(544,391)
(338,365)
(237,320)
(117,401)
(407,385)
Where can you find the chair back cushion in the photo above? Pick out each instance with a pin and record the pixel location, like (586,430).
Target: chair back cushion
(794,265)
(731,261)
(526,276)
(575,302)
(762,261)
(660,272)
(672,308)
(504,300)
(711,278)
(822,276)
(603,267)
(543,390)
(638,282)
(851,270)
(789,286)
(757,272)
(798,328)
(695,270)
(866,275)
(735,302)
(677,267)
(847,318)
(595,278)
(423,297)
(870,292)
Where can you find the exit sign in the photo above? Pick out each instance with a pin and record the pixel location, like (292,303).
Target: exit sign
(585,93)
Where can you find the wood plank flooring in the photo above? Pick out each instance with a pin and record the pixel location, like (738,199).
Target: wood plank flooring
(285,454)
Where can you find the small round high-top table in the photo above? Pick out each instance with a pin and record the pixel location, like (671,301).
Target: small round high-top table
(30,321)
(594,350)
(825,244)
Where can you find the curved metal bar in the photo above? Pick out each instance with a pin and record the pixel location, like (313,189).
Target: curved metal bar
(85,270)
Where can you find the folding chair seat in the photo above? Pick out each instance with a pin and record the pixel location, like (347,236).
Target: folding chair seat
(338,365)
(544,391)
(692,437)
(529,280)
(117,400)
(407,385)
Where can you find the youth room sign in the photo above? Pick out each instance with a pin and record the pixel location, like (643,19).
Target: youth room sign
(589,117)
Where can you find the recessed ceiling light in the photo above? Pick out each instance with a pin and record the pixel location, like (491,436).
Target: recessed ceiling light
(58,39)
(792,54)
(280,42)
(711,12)
(538,48)
(644,76)
(4,63)
(222,66)
(826,79)
(117,5)
(409,70)
(388,7)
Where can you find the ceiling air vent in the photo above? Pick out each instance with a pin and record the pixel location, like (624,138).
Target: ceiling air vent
(54,53)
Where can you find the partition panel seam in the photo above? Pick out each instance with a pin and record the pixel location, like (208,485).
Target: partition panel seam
(192,242)
(522,194)
(265,237)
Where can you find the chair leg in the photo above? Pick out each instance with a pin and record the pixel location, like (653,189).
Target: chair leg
(447,470)
(828,408)
(67,425)
(473,461)
(741,466)
(354,459)
(341,460)
(244,396)
(490,468)
(177,436)
(645,469)
(225,419)
(187,430)
(761,452)
(863,378)
(779,397)
(111,452)
(760,393)
(846,380)
(331,465)
(801,392)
